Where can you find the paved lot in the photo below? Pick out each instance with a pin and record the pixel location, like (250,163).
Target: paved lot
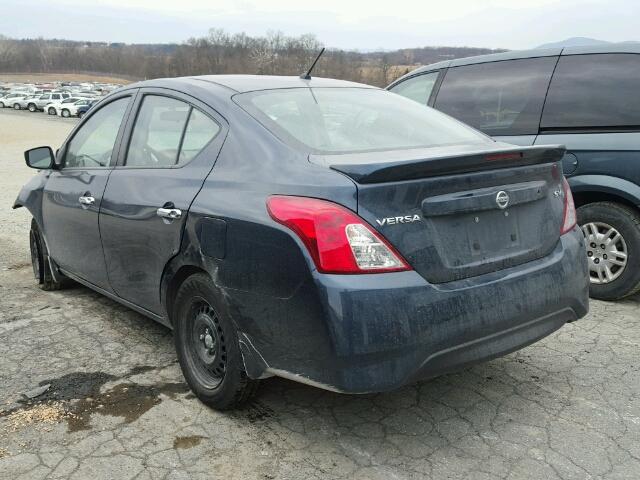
(117,408)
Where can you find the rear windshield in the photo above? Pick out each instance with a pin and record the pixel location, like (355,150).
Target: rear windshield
(341,120)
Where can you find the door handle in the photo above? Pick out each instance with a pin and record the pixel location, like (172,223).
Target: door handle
(169,213)
(87,200)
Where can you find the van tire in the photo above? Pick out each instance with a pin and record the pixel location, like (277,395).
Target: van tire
(215,370)
(626,221)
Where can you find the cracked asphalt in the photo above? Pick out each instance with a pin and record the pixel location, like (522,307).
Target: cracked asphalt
(117,408)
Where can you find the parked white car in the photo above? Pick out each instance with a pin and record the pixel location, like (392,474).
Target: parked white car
(41,102)
(54,107)
(69,107)
(22,102)
(9,99)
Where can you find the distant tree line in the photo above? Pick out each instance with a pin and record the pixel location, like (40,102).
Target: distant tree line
(218,52)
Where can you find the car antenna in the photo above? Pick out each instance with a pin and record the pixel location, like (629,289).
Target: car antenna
(307,76)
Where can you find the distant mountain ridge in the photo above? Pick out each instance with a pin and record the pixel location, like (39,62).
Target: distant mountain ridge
(579,42)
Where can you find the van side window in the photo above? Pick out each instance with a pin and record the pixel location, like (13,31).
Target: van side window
(591,91)
(499,98)
(417,88)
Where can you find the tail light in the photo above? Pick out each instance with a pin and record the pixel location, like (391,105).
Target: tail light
(338,240)
(569,216)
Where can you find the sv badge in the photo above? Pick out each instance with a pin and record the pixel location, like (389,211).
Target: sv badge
(395,220)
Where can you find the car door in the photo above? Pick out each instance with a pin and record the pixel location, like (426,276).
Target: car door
(172,144)
(503,99)
(72,196)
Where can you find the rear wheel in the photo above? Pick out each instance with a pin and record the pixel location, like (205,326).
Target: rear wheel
(31,107)
(207,346)
(80,114)
(16,106)
(612,241)
(51,111)
(40,264)
(65,113)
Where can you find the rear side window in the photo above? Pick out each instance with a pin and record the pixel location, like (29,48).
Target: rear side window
(499,98)
(417,88)
(168,132)
(591,91)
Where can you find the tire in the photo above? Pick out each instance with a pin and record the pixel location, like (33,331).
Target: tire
(207,346)
(65,113)
(51,111)
(1,104)
(40,263)
(618,228)
(80,114)
(32,107)
(16,106)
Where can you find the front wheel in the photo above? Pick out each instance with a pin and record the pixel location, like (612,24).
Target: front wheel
(207,346)
(65,113)
(612,241)
(80,114)
(16,106)
(40,263)
(31,107)
(51,111)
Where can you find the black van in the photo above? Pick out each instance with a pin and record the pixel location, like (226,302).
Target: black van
(587,98)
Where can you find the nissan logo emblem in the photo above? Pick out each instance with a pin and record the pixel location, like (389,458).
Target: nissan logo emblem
(502,199)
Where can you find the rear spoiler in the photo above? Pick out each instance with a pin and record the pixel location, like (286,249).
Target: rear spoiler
(446,162)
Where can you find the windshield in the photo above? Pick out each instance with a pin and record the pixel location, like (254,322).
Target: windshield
(333,120)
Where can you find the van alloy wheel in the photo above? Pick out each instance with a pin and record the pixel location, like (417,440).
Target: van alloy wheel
(606,251)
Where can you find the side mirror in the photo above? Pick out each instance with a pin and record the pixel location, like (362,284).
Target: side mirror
(41,158)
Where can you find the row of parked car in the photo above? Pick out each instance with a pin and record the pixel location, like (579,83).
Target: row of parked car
(65,100)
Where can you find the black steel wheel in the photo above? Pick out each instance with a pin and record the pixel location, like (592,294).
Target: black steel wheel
(207,345)
(37,259)
(207,349)
(39,262)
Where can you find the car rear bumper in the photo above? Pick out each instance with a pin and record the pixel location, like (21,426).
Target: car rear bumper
(387,330)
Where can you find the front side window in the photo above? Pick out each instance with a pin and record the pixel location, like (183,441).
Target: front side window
(592,91)
(93,143)
(332,120)
(168,132)
(499,98)
(417,88)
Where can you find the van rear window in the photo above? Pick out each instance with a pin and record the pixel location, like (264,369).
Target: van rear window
(499,98)
(594,91)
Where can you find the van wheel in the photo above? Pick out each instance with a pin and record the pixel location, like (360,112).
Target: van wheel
(31,107)
(207,345)
(40,263)
(612,240)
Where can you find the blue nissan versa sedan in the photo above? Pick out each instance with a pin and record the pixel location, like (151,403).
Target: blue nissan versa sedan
(583,97)
(319,230)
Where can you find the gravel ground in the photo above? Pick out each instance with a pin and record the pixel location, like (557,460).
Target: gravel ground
(117,408)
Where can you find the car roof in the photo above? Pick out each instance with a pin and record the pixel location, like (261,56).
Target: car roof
(249,83)
(624,47)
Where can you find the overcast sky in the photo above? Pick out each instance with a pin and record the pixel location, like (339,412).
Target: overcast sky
(349,24)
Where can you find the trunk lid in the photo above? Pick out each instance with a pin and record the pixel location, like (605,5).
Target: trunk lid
(458,212)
